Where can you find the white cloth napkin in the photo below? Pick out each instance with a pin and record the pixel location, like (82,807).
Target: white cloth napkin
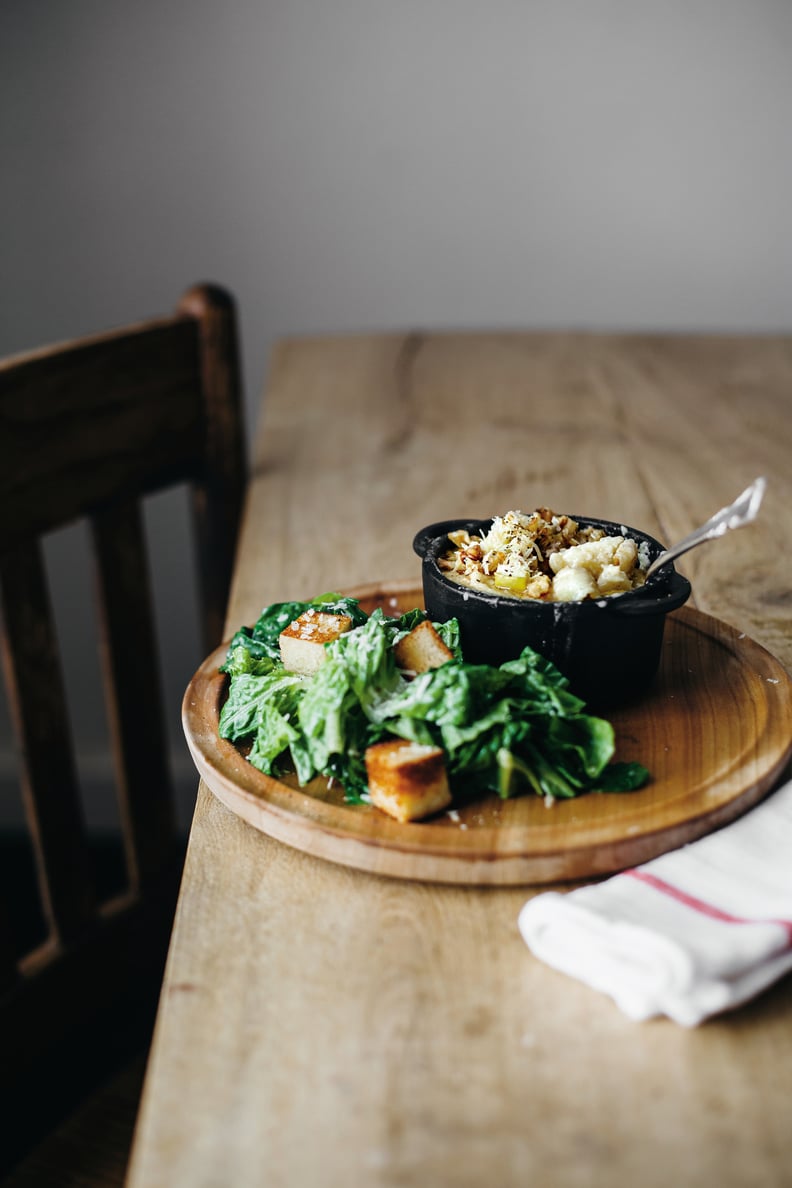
(692,933)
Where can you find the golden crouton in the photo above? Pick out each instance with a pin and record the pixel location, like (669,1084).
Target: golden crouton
(302,643)
(421,649)
(407,780)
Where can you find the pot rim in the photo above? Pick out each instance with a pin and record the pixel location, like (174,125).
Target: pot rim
(666,591)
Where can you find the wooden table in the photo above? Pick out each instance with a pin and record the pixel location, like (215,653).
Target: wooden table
(322,1026)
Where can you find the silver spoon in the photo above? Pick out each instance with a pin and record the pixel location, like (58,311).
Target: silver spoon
(742,511)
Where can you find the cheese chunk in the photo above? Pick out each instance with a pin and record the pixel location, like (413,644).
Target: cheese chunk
(302,643)
(573,584)
(407,780)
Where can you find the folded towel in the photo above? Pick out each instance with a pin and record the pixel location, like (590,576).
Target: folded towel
(694,932)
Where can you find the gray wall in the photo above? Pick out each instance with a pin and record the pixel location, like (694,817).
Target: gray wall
(355,164)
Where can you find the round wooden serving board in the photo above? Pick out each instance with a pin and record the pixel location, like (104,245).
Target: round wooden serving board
(715,731)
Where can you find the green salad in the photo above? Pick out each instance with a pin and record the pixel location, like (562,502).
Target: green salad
(512,729)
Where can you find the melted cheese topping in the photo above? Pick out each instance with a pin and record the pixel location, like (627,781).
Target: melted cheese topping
(545,556)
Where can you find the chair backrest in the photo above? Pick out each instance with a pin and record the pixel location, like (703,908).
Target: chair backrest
(87,430)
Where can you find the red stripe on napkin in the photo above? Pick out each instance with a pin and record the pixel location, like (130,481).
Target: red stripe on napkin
(699,905)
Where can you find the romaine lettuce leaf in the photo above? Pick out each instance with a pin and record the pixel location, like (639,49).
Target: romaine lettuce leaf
(510,729)
(261,640)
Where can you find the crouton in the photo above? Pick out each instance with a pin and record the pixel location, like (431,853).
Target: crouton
(302,643)
(421,649)
(407,780)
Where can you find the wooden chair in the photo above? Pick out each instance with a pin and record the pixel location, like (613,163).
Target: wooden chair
(87,429)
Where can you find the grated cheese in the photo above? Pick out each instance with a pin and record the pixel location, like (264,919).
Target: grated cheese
(545,556)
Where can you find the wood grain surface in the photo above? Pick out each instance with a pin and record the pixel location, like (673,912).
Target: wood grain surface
(323,1025)
(700,778)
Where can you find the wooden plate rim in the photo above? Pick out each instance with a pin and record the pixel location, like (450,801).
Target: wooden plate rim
(362,838)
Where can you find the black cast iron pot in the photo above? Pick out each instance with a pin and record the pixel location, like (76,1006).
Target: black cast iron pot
(608,648)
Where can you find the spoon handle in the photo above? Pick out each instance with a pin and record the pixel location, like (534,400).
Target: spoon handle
(742,511)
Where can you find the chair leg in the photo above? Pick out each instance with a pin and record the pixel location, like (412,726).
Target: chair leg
(91,1148)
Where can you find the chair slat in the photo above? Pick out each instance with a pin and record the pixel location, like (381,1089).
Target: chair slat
(218,497)
(38,706)
(133,690)
(8,959)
